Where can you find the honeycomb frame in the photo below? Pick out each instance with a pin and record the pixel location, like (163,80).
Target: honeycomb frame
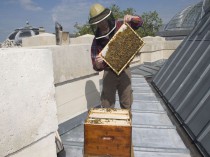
(127,43)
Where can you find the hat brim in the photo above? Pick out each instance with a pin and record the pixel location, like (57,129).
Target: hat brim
(103,15)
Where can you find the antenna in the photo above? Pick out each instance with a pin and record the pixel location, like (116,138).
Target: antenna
(27,23)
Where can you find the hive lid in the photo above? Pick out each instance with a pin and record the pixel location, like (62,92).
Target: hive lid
(108,116)
(122,48)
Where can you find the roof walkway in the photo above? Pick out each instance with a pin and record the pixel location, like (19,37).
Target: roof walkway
(153,134)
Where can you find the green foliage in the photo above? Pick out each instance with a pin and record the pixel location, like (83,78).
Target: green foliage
(151,25)
(116,11)
(129,11)
(82,30)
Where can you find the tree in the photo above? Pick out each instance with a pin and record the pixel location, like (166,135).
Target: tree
(151,25)
(129,11)
(117,13)
(82,30)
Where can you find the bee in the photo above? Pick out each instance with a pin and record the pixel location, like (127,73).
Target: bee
(122,48)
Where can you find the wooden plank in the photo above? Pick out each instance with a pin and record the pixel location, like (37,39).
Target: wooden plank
(132,154)
(108,122)
(109,110)
(109,116)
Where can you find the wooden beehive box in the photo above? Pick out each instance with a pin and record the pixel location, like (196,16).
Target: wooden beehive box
(108,132)
(122,48)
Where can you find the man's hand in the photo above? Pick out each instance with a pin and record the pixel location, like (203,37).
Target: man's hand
(127,18)
(99,61)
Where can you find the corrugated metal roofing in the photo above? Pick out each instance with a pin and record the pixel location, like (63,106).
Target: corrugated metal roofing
(184,83)
(148,69)
(153,134)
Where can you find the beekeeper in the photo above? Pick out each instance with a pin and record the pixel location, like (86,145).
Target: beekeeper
(104,26)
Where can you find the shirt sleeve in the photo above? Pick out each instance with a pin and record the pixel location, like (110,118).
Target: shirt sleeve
(137,22)
(95,50)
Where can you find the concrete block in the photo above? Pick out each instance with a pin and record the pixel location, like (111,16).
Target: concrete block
(27,108)
(84,39)
(153,39)
(39,40)
(70,62)
(172,44)
(43,148)
(157,48)
(62,38)
(77,97)
(65,40)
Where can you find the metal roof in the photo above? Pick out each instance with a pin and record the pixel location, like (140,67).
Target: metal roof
(153,134)
(184,83)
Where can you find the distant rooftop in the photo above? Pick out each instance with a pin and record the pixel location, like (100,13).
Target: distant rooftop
(184,21)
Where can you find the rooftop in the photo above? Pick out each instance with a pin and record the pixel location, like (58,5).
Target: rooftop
(175,120)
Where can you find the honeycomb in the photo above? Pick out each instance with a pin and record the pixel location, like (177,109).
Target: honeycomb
(122,48)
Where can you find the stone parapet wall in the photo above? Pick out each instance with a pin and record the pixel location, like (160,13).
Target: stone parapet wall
(42,148)
(77,97)
(28,113)
(156,48)
(77,84)
(84,39)
(73,69)
(42,39)
(71,62)
(31,78)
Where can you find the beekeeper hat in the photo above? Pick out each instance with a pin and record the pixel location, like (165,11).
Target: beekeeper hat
(98,13)
(96,9)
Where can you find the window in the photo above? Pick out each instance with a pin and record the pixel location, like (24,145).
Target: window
(25,34)
(12,36)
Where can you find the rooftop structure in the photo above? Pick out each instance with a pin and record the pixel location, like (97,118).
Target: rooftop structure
(183,22)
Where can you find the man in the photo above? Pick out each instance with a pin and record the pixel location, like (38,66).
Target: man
(104,26)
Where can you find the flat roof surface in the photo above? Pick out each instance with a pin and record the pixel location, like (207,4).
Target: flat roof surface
(153,134)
